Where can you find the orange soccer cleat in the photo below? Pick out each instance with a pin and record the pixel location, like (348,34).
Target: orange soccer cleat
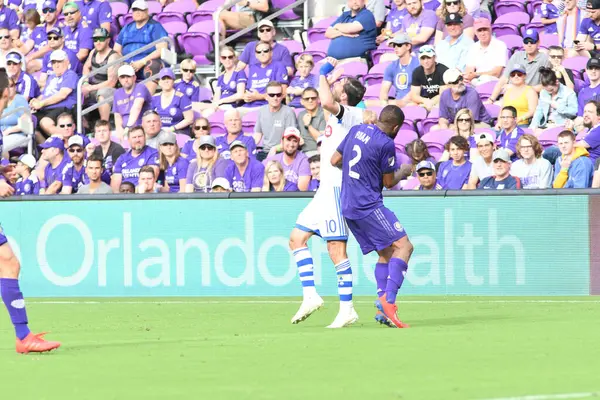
(35,343)
(389,311)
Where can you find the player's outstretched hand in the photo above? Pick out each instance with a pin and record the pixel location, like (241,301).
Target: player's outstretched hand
(331,61)
(369,117)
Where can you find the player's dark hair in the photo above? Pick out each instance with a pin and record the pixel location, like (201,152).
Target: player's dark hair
(129,184)
(391,116)
(315,158)
(512,110)
(354,91)
(567,133)
(95,157)
(459,142)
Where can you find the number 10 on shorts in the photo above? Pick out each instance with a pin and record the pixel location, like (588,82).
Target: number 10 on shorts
(331,225)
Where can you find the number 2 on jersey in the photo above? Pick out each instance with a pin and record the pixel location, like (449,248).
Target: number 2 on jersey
(354,161)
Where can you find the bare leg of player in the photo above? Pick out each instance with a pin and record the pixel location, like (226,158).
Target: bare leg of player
(347,315)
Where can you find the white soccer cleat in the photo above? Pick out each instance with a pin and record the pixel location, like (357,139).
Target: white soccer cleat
(309,305)
(344,318)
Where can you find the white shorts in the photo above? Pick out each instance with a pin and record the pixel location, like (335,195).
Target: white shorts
(323,216)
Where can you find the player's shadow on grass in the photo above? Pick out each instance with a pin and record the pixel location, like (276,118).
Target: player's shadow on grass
(454,321)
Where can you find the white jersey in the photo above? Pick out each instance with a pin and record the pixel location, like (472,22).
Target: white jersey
(335,132)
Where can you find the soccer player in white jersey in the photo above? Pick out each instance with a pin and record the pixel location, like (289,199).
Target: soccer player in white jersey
(323,216)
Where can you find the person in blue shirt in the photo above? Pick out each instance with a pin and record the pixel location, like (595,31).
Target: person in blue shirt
(574,169)
(353,33)
(502,179)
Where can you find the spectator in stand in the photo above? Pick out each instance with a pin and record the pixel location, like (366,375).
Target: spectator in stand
(28,182)
(147,182)
(187,84)
(432,5)
(589,32)
(57,43)
(419,24)
(453,7)
(427,80)
(272,120)
(399,73)
(294,162)
(464,126)
(482,166)
(5,46)
(173,167)
(457,97)
(260,75)
(233,126)
(101,86)
(591,141)
(27,86)
(311,120)
(128,165)
(12,135)
(230,87)
(137,34)
(59,96)
(266,33)
(106,150)
(53,152)
(353,33)
(130,101)
(530,60)
(153,129)
(510,133)
(243,173)
(591,91)
(564,75)
(220,185)
(173,107)
(200,128)
(41,43)
(304,79)
(393,21)
(550,15)
(94,171)
(568,25)
(275,181)
(416,151)
(453,49)
(557,103)
(66,129)
(378,8)
(96,14)
(126,188)
(502,179)
(486,58)
(26,43)
(9,20)
(573,169)
(205,167)
(78,37)
(74,175)
(246,13)
(427,177)
(534,171)
(454,173)
(520,96)
(315,172)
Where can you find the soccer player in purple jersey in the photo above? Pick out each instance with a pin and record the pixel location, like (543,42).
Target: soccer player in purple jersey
(368,160)
(10,267)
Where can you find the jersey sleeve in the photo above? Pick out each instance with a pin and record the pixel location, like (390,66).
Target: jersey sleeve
(183,168)
(388,75)
(117,168)
(67,175)
(387,161)
(258,174)
(104,13)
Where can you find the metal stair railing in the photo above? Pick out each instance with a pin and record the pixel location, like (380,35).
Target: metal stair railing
(29,135)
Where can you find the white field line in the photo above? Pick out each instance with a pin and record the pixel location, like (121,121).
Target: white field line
(202,302)
(552,396)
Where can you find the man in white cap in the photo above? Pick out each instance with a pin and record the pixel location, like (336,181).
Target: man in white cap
(28,182)
(482,166)
(27,86)
(130,101)
(244,14)
(74,174)
(296,168)
(427,176)
(56,42)
(428,79)
(502,179)
(220,185)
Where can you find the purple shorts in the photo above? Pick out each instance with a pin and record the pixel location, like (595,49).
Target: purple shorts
(3,239)
(377,230)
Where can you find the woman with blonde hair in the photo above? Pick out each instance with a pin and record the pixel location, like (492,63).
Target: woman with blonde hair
(464,125)
(187,84)
(304,79)
(449,7)
(275,179)
(173,167)
(205,168)
(200,127)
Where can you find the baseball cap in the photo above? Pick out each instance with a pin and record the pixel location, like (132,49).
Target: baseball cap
(56,30)
(126,70)
(426,51)
(425,165)
(208,140)
(166,73)
(75,140)
(593,4)
(531,34)
(451,75)
(49,4)
(100,33)
(139,4)
(70,4)
(167,137)
(518,68)
(453,18)
(482,137)
(224,183)
(53,141)
(58,55)
(481,23)
(291,132)
(265,22)
(592,62)
(400,38)
(237,143)
(501,154)
(14,56)
(28,160)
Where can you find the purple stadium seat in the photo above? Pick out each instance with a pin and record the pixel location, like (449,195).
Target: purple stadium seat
(415,113)
(575,63)
(198,44)
(431,120)
(175,27)
(548,39)
(513,18)
(410,184)
(217,126)
(211,5)
(513,41)
(549,136)
(181,6)
(533,7)
(318,49)
(536,26)
(293,46)
(375,74)
(403,137)
(288,15)
(316,34)
(579,84)
(493,110)
(248,121)
(485,89)
(438,139)
(581,135)
(377,53)
(505,29)
(205,94)
(325,23)
(125,19)
(166,17)
(154,7)
(199,16)
(181,139)
(207,27)
(508,6)
(118,8)
(487,130)
(354,69)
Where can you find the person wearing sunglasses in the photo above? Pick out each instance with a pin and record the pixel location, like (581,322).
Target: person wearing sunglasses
(187,84)
(486,58)
(56,42)
(74,175)
(454,173)
(502,179)
(453,7)
(231,85)
(510,133)
(557,104)
(453,49)
(353,33)
(590,91)
(96,14)
(173,167)
(101,86)
(427,80)
(65,125)
(520,96)
(40,37)
(393,21)
(266,33)
(233,126)
(173,107)
(260,75)
(427,177)
(459,96)
(564,75)
(248,12)
(78,38)
(130,102)
(311,120)
(10,20)
(200,128)
(205,167)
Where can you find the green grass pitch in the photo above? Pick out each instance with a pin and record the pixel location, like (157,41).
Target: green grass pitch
(246,348)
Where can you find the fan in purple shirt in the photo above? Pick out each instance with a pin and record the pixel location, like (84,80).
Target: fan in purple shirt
(266,33)
(78,38)
(233,126)
(173,107)
(510,131)
(259,76)
(315,172)
(96,14)
(173,167)
(28,183)
(367,156)
(295,163)
(75,175)
(454,173)
(303,80)
(56,42)
(53,151)
(244,173)
(9,20)
(130,101)
(27,86)
(128,165)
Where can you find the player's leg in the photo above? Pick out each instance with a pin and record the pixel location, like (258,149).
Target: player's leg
(398,265)
(337,252)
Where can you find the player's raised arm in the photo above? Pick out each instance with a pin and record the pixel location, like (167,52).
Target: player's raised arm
(325,95)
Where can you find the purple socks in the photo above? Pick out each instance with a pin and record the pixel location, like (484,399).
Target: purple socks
(13,300)
(397,269)
(381,276)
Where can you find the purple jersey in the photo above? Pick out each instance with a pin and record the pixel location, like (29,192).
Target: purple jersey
(56,83)
(229,88)
(259,78)
(509,141)
(95,13)
(55,174)
(367,155)
(412,25)
(174,173)
(27,86)
(280,54)
(469,99)
(313,185)
(201,178)
(190,89)
(589,27)
(75,178)
(172,114)
(8,18)
(395,17)
(129,166)
(252,179)
(299,167)
(223,145)
(122,103)
(453,177)
(39,37)
(549,11)
(78,38)
(290,187)
(73,60)
(593,139)
(298,82)
(585,95)
(29,185)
